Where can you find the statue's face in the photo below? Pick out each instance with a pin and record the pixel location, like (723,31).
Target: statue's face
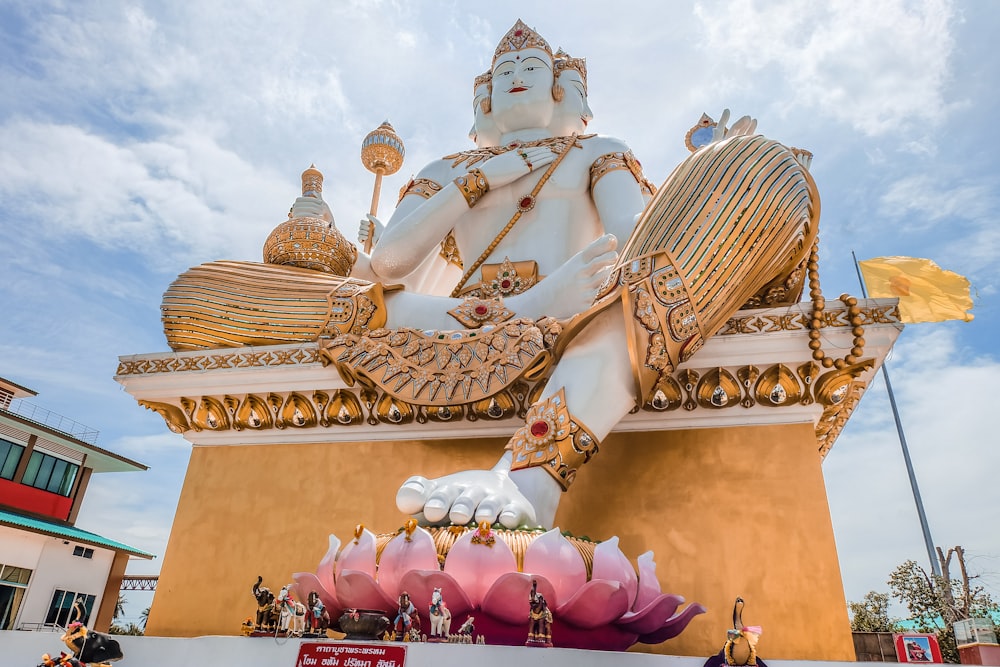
(484,131)
(522,90)
(573,113)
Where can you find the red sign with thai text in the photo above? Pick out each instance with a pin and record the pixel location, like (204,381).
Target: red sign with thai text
(339,654)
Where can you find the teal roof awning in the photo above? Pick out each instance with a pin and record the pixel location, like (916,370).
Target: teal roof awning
(67,532)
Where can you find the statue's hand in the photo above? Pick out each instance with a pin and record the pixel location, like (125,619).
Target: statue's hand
(744,126)
(370,225)
(503,169)
(571,288)
(312,207)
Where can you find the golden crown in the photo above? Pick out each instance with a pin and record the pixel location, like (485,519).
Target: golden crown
(563,62)
(521,37)
(485,77)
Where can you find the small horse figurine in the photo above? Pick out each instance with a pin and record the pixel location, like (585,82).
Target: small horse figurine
(292,620)
(440,616)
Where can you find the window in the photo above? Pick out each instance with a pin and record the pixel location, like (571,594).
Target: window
(48,473)
(13,584)
(10,456)
(83,552)
(61,608)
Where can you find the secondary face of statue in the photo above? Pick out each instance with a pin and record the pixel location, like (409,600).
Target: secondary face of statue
(522,90)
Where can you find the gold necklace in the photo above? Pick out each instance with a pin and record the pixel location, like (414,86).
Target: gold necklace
(524,204)
(477,155)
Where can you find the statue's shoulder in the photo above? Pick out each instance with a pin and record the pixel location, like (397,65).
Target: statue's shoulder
(602,144)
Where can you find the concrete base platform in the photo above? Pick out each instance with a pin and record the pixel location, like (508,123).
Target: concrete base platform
(24,649)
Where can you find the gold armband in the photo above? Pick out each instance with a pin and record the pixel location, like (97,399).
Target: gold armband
(553,439)
(620,160)
(473,186)
(422,187)
(474,313)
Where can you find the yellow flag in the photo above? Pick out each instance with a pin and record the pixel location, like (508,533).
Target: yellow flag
(926,292)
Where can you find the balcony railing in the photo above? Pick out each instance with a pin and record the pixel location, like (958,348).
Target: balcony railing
(40,415)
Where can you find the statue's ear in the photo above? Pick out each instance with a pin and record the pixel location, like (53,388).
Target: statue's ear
(558,92)
(486,105)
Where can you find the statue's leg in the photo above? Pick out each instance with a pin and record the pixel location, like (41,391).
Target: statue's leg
(734,219)
(593,378)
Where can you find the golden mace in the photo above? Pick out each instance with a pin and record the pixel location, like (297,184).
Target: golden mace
(382,153)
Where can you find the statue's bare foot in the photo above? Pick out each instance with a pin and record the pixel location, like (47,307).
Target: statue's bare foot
(521,498)
(571,288)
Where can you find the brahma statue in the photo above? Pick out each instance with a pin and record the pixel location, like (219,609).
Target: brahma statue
(562,261)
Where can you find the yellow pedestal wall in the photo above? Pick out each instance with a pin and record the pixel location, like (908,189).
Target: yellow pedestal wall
(728,512)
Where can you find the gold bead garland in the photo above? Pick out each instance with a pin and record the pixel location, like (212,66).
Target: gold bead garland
(816,323)
(526,203)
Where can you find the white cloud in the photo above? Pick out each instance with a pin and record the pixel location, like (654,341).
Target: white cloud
(880,67)
(946,422)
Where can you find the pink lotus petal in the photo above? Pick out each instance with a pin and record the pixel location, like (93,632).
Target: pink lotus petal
(674,625)
(598,602)
(476,566)
(611,564)
(400,555)
(554,557)
(420,584)
(507,599)
(306,582)
(358,590)
(651,617)
(358,554)
(327,565)
(649,585)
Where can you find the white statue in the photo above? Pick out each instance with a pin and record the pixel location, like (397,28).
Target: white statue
(536,223)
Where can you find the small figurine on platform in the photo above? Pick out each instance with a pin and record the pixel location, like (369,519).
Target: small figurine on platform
(741,643)
(267,612)
(247,628)
(318,617)
(89,647)
(468,628)
(539,619)
(440,617)
(406,625)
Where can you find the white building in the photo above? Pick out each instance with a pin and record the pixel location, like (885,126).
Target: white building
(46,563)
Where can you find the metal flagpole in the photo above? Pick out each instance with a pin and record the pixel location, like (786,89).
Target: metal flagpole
(928,542)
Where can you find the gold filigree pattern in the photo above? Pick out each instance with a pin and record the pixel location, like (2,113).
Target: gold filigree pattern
(421,187)
(442,368)
(553,440)
(476,155)
(449,251)
(240,359)
(519,37)
(617,161)
(475,312)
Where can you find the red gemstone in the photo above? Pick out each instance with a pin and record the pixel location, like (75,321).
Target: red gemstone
(539,428)
(526,202)
(518,33)
(505,284)
(481,310)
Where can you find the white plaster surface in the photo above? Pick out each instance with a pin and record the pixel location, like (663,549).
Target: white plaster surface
(19,649)
(53,566)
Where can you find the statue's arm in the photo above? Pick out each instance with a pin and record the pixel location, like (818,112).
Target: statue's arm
(617,187)
(412,234)
(418,225)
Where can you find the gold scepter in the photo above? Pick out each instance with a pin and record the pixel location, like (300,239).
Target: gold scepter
(382,153)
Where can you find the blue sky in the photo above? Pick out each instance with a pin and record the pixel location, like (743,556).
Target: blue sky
(141,138)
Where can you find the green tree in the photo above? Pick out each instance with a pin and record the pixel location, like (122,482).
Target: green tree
(143,617)
(936,602)
(872,614)
(130,629)
(119,607)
